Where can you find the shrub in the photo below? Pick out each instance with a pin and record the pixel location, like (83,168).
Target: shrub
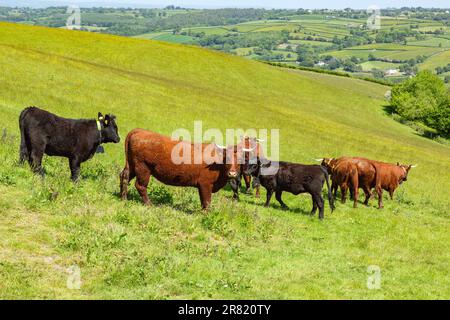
(423,98)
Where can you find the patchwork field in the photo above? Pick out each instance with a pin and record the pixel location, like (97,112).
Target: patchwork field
(236,250)
(322,33)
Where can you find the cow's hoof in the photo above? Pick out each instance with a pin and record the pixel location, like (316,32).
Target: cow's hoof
(285,208)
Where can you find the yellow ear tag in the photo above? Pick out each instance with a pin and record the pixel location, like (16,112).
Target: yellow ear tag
(100,118)
(106,122)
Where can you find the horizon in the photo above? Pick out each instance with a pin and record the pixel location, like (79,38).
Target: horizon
(221,4)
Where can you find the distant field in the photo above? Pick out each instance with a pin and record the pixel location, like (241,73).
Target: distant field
(438,60)
(381,50)
(311,42)
(209,30)
(165,36)
(432,42)
(334,33)
(369,65)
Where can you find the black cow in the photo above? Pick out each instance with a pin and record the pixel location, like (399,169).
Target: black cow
(294,178)
(78,140)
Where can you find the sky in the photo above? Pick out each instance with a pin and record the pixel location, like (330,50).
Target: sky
(307,4)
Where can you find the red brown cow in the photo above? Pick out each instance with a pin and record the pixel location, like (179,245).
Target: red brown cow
(344,174)
(251,149)
(389,177)
(206,167)
(366,174)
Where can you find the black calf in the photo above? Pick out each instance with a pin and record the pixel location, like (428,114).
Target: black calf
(77,140)
(293,178)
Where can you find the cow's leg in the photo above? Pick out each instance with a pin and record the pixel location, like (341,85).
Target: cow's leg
(391,194)
(314,208)
(278,194)
(344,189)
(24,153)
(247,180)
(334,189)
(320,203)
(258,195)
(354,186)
(125,177)
(37,153)
(235,184)
(368,195)
(268,197)
(205,192)
(380,197)
(74,164)
(142,179)
(355,192)
(257,186)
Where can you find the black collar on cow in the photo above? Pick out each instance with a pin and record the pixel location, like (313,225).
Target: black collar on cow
(99,128)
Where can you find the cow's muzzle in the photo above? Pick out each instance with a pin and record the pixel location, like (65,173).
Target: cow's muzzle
(232,174)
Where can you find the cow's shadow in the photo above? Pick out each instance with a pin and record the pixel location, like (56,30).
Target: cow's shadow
(135,199)
(251,199)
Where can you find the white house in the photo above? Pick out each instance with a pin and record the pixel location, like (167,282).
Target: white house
(391,72)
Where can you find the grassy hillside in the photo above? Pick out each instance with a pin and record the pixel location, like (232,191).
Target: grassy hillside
(236,250)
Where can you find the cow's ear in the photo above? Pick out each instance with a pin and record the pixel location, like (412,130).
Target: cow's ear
(107,120)
(398,163)
(100,116)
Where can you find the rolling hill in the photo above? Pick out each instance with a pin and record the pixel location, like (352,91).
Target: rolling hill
(236,250)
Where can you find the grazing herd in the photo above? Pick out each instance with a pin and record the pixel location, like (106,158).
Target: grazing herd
(355,172)
(207,167)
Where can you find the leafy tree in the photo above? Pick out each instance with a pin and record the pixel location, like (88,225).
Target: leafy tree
(377,73)
(351,66)
(424,98)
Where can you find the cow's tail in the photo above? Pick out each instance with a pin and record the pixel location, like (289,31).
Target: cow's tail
(125,175)
(330,196)
(24,153)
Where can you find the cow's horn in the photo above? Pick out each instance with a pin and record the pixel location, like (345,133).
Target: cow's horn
(413,166)
(220,147)
(260,140)
(318,160)
(248,150)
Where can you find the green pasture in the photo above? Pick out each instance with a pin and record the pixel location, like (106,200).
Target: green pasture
(237,250)
(311,42)
(432,42)
(439,59)
(388,51)
(369,65)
